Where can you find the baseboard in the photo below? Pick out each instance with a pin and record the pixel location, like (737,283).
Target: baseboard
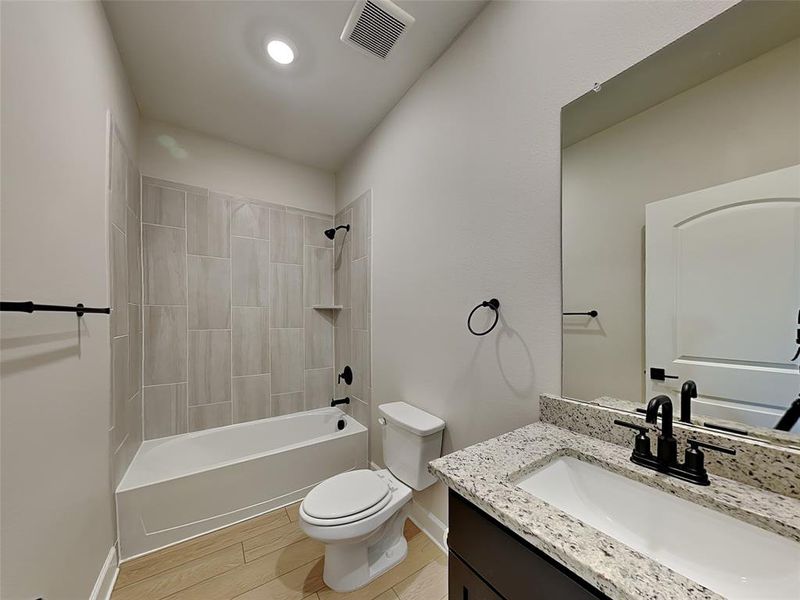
(107,577)
(429,524)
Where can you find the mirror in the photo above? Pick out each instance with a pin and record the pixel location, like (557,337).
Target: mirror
(681,228)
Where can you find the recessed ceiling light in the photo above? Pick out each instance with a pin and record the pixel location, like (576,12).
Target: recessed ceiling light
(280,52)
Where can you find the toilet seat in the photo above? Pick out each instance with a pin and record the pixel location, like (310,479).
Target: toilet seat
(346,498)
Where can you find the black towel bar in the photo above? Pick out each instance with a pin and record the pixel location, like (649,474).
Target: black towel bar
(591,313)
(30,307)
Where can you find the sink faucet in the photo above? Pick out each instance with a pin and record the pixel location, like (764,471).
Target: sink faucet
(667,451)
(688,391)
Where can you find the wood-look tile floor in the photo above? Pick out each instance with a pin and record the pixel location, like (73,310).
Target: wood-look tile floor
(269,558)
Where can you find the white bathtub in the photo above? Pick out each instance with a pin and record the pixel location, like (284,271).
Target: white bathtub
(189,484)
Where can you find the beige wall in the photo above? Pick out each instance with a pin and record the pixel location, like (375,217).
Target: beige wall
(464,175)
(169,152)
(60,75)
(738,124)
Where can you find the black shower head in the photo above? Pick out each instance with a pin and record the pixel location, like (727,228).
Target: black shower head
(331,233)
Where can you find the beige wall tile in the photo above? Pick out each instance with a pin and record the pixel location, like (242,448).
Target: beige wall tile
(119,388)
(164,264)
(209,292)
(208,224)
(249,219)
(209,367)
(286,235)
(133,421)
(286,295)
(360,225)
(315,232)
(165,410)
(319,338)
(359,289)
(342,347)
(119,180)
(359,409)
(134,362)
(318,388)
(209,415)
(286,351)
(341,272)
(134,318)
(119,283)
(285,404)
(360,363)
(318,276)
(251,398)
(251,333)
(133,191)
(164,344)
(250,272)
(163,206)
(134,258)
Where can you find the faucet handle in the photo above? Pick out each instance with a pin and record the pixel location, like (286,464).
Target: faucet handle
(641,444)
(695,444)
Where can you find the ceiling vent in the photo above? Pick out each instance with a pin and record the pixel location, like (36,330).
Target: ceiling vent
(374,26)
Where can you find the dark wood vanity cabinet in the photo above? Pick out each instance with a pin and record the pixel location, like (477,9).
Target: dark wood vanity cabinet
(488,561)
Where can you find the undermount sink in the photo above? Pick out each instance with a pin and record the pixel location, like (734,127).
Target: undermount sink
(728,556)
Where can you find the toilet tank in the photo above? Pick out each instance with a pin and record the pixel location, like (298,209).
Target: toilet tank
(411,439)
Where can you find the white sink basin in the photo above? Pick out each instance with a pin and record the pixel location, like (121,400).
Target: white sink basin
(733,558)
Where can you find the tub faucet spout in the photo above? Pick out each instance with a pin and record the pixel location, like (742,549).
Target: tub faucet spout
(345,400)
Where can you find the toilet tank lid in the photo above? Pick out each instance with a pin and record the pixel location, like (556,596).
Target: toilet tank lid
(411,418)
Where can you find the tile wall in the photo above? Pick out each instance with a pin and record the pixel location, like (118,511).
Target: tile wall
(229,286)
(126,304)
(351,274)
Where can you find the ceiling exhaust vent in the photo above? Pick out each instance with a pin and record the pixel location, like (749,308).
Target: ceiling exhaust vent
(374,26)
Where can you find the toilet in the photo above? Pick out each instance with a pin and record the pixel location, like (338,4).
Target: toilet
(359,515)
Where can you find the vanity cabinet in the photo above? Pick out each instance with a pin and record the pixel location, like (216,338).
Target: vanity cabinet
(488,561)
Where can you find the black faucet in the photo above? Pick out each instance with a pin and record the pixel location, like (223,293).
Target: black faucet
(666,457)
(688,391)
(345,400)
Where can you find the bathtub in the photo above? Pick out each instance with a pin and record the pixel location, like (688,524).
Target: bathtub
(185,485)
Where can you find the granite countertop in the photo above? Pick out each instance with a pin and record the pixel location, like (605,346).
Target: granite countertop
(485,474)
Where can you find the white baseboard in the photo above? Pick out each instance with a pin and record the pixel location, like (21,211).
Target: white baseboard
(107,577)
(429,524)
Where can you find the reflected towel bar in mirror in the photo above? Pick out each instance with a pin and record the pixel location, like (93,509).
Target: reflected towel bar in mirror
(30,307)
(591,313)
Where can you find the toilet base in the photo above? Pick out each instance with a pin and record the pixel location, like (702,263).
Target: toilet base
(352,566)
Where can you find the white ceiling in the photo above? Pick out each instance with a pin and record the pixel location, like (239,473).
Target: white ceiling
(201,65)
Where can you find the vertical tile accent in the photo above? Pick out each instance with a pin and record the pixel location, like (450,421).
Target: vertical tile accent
(135,350)
(119,388)
(208,224)
(133,191)
(286,295)
(209,415)
(251,398)
(286,352)
(118,180)
(164,344)
(119,283)
(209,367)
(134,258)
(163,206)
(249,219)
(250,272)
(359,288)
(341,264)
(319,388)
(164,251)
(360,225)
(209,292)
(251,348)
(284,404)
(286,235)
(319,338)
(165,410)
(318,276)
(315,232)
(342,351)
(361,363)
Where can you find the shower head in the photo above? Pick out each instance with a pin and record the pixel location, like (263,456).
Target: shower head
(331,233)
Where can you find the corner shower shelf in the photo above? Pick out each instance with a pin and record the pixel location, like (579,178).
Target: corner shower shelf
(328,307)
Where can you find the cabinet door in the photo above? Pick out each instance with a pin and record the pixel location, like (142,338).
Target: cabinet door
(464,584)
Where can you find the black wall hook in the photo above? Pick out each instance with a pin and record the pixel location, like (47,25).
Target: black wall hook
(494,304)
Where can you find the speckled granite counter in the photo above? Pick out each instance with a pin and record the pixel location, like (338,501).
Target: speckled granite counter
(485,474)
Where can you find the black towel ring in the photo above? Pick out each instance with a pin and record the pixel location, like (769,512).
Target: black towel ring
(494,304)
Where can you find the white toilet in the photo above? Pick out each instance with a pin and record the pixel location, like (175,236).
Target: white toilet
(359,515)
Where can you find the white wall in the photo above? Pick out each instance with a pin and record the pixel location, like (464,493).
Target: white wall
(738,124)
(465,180)
(223,166)
(60,75)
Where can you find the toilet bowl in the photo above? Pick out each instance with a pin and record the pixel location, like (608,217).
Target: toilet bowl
(359,515)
